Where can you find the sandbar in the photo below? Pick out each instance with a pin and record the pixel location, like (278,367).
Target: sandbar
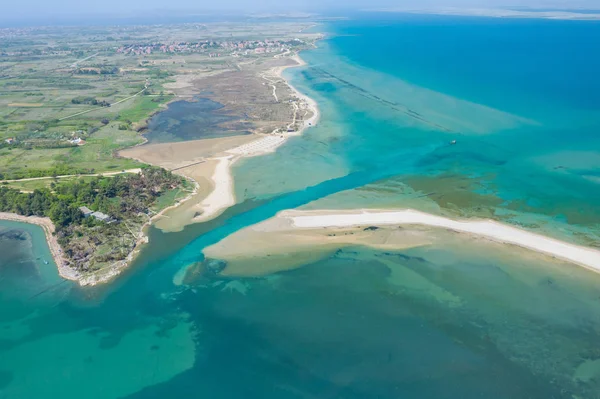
(587,257)
(295,231)
(275,245)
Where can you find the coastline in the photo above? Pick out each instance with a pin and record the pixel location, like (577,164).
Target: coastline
(313,106)
(46,224)
(222,196)
(569,15)
(296,231)
(485,228)
(99,276)
(113,270)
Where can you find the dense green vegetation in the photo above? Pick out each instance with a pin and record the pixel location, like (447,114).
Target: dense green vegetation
(90,101)
(98,70)
(88,242)
(117,196)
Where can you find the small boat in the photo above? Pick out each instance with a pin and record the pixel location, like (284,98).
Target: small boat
(45,262)
(453,142)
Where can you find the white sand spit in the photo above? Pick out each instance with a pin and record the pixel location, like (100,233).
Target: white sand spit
(222,197)
(587,257)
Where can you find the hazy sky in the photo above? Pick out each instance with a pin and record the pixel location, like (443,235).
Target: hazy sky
(23,9)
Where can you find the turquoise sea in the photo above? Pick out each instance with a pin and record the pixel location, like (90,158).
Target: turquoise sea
(462,318)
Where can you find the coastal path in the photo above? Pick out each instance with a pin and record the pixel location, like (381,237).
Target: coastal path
(115,103)
(187,166)
(74,65)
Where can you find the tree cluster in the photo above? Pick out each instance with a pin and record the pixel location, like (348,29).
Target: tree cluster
(90,101)
(117,196)
(104,70)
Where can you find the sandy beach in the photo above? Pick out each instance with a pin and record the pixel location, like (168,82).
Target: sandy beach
(64,271)
(293,235)
(311,104)
(209,161)
(223,194)
(587,257)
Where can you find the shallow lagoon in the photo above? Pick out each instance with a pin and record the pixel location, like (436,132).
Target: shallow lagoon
(200,118)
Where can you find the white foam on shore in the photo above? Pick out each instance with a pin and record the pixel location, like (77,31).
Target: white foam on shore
(587,257)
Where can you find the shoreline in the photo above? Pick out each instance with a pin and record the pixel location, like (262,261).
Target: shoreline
(485,228)
(112,271)
(313,105)
(574,14)
(225,186)
(294,237)
(223,194)
(46,224)
(116,268)
(108,272)
(209,205)
(220,198)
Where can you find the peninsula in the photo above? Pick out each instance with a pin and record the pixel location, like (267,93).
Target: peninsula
(209,161)
(77,164)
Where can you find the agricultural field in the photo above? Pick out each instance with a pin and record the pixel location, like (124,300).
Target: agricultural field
(71,97)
